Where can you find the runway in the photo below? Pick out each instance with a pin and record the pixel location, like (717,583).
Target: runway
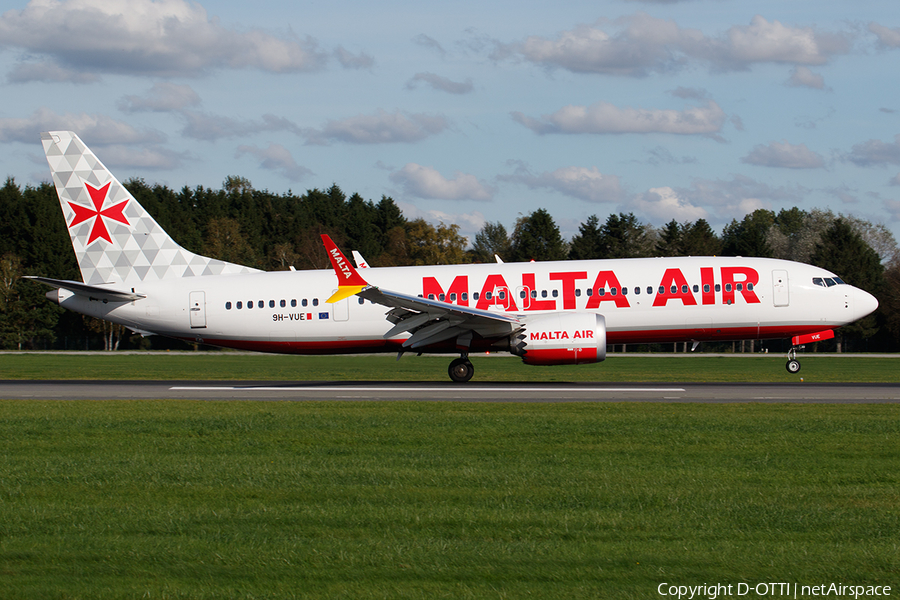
(826,393)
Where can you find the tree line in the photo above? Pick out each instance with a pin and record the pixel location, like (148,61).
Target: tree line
(269,231)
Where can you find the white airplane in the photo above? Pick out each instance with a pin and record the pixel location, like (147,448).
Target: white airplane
(548,313)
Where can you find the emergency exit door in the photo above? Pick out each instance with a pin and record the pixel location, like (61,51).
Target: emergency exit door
(781,291)
(198,310)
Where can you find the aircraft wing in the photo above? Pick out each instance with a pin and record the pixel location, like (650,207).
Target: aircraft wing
(429,321)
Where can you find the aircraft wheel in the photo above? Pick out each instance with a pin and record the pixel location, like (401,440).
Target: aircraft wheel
(461,370)
(793,366)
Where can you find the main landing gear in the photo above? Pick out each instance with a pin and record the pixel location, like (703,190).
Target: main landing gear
(461,370)
(793,365)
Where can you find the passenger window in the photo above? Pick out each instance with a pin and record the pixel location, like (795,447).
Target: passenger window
(578,292)
(674,289)
(684,289)
(650,291)
(283,304)
(249,303)
(261,304)
(522,294)
(441,297)
(705,288)
(613,291)
(228,306)
(637,290)
(271,304)
(453,297)
(465,296)
(534,293)
(718,287)
(662,290)
(727,287)
(601,292)
(543,293)
(739,287)
(749,287)
(555,293)
(624,291)
(431,296)
(696,288)
(315,301)
(361,300)
(590,292)
(239,305)
(304,302)
(474,295)
(502,295)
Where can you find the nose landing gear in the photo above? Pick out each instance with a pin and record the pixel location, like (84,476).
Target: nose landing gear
(793,365)
(461,370)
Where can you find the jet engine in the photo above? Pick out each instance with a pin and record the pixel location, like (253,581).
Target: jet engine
(561,338)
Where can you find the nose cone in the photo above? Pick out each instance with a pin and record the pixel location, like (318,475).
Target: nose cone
(864,303)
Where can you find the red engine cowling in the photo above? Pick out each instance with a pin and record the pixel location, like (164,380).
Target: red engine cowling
(561,338)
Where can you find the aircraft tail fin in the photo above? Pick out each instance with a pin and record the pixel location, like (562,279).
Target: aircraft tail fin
(114,238)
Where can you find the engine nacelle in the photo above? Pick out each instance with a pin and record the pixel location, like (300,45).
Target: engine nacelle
(561,338)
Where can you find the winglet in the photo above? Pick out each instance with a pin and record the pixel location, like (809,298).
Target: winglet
(350,282)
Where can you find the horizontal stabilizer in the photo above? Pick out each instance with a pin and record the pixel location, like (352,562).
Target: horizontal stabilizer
(92,291)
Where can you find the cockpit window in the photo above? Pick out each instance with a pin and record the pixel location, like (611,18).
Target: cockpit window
(828,281)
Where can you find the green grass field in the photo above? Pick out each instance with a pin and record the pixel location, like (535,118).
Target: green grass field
(432,500)
(616,368)
(178,499)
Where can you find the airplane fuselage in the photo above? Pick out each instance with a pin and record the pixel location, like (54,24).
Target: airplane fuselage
(642,300)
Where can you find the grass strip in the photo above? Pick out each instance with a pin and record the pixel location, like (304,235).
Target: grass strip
(176,499)
(230,366)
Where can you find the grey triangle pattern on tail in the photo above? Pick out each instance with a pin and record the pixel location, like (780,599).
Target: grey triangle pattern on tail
(134,252)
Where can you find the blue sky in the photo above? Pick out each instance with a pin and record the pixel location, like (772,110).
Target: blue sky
(469,112)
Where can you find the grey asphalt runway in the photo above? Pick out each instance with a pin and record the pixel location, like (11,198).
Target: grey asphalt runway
(828,393)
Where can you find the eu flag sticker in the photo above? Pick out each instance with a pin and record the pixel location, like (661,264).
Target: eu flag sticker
(323,315)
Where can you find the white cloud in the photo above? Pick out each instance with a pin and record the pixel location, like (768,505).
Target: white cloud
(276,158)
(587,184)
(895,180)
(380,128)
(441,83)
(887,36)
(469,223)
(427,182)
(738,196)
(875,153)
(48,71)
(93,129)
(162,97)
(349,60)
(785,155)
(802,77)
(603,117)
(164,38)
(663,204)
(641,44)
